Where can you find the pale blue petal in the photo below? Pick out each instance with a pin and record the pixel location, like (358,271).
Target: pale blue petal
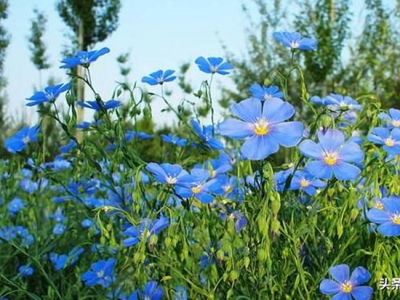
(319,169)
(331,140)
(345,171)
(340,273)
(351,152)
(378,216)
(276,110)
(248,110)
(235,129)
(287,134)
(311,149)
(362,292)
(389,229)
(329,286)
(359,276)
(259,147)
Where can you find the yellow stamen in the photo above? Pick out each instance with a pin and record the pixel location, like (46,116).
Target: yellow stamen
(261,127)
(304,183)
(396,219)
(346,287)
(196,189)
(389,142)
(379,205)
(396,123)
(171,180)
(331,158)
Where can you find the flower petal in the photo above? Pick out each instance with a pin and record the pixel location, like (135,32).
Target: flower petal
(340,273)
(362,292)
(259,147)
(328,286)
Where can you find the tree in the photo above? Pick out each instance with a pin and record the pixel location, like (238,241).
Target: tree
(4,42)
(91,22)
(36,43)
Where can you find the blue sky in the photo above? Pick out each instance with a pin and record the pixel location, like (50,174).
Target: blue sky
(159,35)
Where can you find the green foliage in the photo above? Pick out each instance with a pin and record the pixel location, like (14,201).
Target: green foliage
(36,43)
(99,18)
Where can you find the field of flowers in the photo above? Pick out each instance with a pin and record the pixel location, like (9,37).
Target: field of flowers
(267,204)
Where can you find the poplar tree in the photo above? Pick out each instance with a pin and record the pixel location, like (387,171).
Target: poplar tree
(91,22)
(4,42)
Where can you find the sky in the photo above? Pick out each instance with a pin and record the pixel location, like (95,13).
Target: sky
(158,35)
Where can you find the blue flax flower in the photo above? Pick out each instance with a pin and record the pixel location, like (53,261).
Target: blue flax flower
(213,65)
(25,271)
(205,133)
(159,77)
(146,229)
(265,93)
(49,94)
(199,187)
(151,291)
(19,141)
(392,119)
(332,156)
(83,58)
(390,139)
(346,287)
(101,272)
(15,205)
(303,180)
(387,215)
(294,41)
(95,105)
(264,127)
(168,173)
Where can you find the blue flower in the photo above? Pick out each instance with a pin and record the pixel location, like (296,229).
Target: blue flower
(337,102)
(172,139)
(49,94)
(213,65)
(83,58)
(199,187)
(387,215)
(344,286)
(303,180)
(95,105)
(15,205)
(19,141)
(64,260)
(168,173)
(332,156)
(25,271)
(153,291)
(101,273)
(265,93)
(59,229)
(146,228)
(262,124)
(205,133)
(390,139)
(294,41)
(159,77)
(392,119)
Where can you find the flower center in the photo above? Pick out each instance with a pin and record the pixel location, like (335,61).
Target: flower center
(171,180)
(379,205)
(396,123)
(331,158)
(389,142)
(26,140)
(50,96)
(227,188)
(100,274)
(346,287)
(304,183)
(267,96)
(396,218)
(294,44)
(196,189)
(261,127)
(213,69)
